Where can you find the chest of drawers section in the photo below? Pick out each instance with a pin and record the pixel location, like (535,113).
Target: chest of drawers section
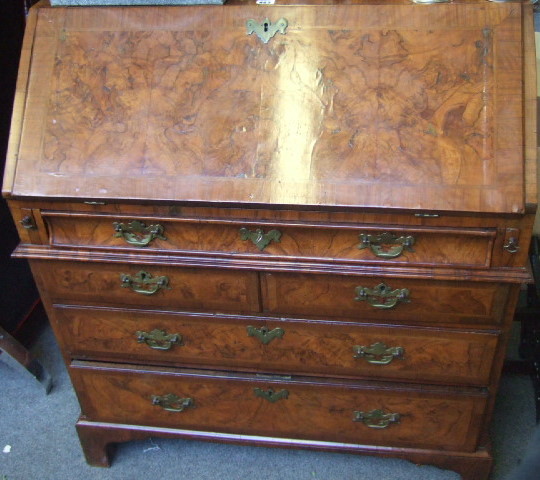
(163,335)
(313,239)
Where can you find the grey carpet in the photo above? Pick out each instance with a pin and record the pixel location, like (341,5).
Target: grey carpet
(44,445)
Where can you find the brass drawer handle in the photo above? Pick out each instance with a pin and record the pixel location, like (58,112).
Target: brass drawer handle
(266,30)
(378,353)
(144,283)
(259,238)
(376,418)
(159,339)
(265,335)
(136,233)
(270,395)
(379,244)
(382,296)
(172,402)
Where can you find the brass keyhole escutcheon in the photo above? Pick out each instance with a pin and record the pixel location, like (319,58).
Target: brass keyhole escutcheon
(267,29)
(270,395)
(264,334)
(260,239)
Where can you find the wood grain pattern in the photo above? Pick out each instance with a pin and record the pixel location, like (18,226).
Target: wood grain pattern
(306,347)
(196,110)
(19,103)
(442,247)
(314,409)
(363,117)
(197,289)
(530,102)
(465,224)
(431,301)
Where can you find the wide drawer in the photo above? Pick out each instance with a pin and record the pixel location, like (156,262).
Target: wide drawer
(316,409)
(279,345)
(385,299)
(150,285)
(465,247)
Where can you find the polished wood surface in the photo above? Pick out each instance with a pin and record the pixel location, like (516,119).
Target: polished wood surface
(468,227)
(318,410)
(366,118)
(305,346)
(450,247)
(335,296)
(199,289)
(172,104)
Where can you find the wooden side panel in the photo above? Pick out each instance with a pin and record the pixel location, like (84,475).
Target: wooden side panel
(19,104)
(530,103)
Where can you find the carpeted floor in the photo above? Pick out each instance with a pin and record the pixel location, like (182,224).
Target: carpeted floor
(43,445)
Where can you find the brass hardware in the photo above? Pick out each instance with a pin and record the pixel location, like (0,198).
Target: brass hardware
(144,283)
(28,222)
(265,335)
(512,245)
(172,402)
(136,233)
(376,418)
(267,29)
(260,239)
(379,243)
(378,353)
(270,395)
(159,339)
(382,296)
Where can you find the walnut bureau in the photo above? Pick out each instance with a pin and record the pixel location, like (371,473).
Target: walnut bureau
(300,225)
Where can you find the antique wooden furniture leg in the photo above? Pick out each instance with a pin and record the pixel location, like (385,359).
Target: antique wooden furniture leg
(19,356)
(302,225)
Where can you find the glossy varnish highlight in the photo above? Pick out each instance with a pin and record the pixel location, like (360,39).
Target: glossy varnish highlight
(389,109)
(362,124)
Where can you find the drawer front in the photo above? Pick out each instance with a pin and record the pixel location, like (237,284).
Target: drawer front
(365,244)
(157,286)
(385,299)
(314,409)
(278,345)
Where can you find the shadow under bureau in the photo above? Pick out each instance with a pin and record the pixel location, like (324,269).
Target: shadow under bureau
(300,225)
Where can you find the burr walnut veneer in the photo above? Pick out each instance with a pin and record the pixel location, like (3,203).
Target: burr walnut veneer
(313,239)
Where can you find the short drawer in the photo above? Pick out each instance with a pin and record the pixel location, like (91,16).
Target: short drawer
(393,415)
(156,286)
(266,240)
(385,299)
(279,345)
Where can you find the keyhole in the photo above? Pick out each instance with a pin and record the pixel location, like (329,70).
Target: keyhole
(265,26)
